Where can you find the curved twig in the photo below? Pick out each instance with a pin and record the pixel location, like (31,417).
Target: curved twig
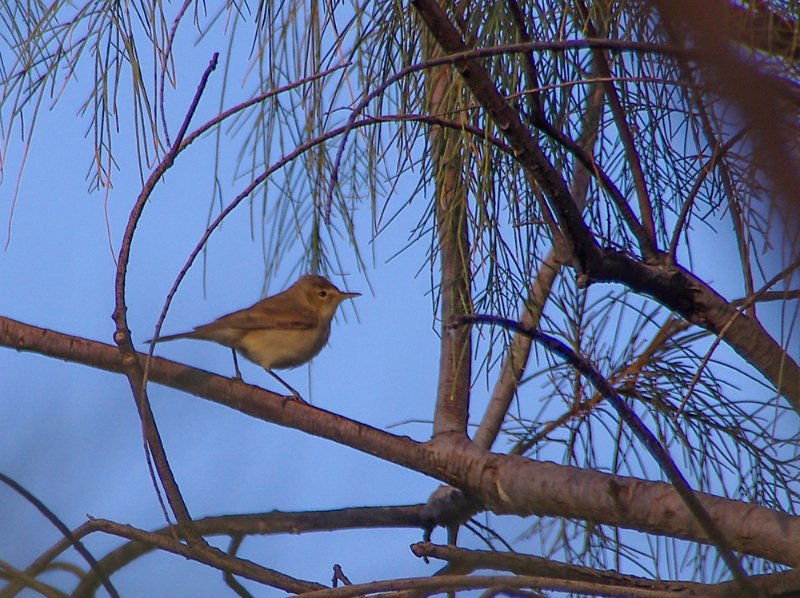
(299,150)
(122,336)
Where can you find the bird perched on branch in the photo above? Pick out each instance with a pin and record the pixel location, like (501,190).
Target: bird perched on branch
(280,332)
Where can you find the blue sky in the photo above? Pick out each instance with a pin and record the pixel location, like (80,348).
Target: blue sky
(70,434)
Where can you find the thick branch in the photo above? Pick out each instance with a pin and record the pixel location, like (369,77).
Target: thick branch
(527,151)
(691,298)
(463,561)
(452,397)
(505,484)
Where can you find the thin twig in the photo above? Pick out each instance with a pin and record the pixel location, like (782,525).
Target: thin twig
(719,153)
(165,59)
(645,235)
(553,46)
(122,335)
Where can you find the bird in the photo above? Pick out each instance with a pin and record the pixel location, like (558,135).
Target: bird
(281,332)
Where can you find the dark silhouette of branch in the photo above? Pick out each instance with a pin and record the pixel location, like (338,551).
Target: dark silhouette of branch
(644,435)
(213,558)
(719,153)
(65,531)
(274,522)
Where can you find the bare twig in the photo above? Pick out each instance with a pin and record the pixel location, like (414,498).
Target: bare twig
(165,58)
(122,335)
(719,153)
(212,557)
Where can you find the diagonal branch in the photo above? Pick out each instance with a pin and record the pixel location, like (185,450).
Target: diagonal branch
(685,294)
(212,557)
(517,354)
(527,151)
(644,435)
(505,484)
(96,569)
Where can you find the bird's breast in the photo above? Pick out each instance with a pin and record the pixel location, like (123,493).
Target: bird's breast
(283,349)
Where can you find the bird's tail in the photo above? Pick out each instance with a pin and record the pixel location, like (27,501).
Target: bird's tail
(170,337)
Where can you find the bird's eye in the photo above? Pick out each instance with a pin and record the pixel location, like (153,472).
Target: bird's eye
(323,293)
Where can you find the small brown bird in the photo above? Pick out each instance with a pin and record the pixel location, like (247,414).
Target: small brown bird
(280,332)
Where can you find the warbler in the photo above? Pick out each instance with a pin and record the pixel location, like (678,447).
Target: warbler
(281,332)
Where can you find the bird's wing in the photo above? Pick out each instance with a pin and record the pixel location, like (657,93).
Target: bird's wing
(265,318)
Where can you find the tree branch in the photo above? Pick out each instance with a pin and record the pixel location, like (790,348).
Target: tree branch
(466,561)
(505,484)
(274,522)
(455,372)
(212,557)
(644,435)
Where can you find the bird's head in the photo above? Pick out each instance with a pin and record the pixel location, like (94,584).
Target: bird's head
(320,294)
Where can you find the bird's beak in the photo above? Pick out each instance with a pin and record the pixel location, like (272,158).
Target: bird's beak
(349,295)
